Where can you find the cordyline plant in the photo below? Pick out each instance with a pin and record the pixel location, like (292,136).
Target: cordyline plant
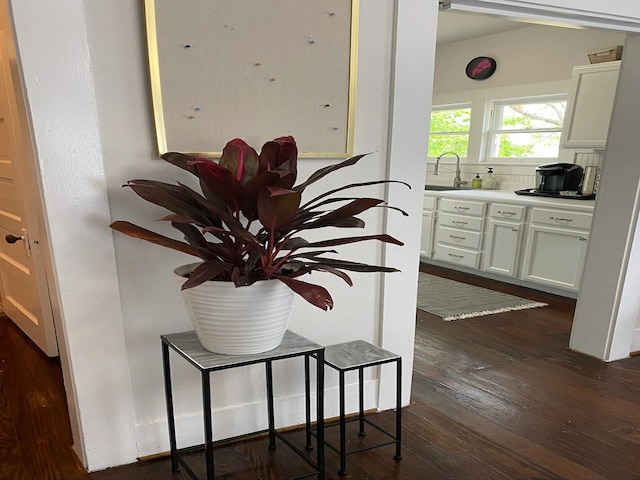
(248,222)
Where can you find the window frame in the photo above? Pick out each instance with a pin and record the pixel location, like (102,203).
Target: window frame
(492,130)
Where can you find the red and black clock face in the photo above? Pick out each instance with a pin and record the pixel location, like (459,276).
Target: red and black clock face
(480,68)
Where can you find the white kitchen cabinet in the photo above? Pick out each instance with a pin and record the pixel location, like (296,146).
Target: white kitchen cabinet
(459,232)
(426,240)
(502,252)
(530,241)
(589,105)
(555,256)
(428,224)
(504,237)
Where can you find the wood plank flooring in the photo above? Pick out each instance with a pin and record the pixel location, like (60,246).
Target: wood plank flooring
(35,436)
(495,397)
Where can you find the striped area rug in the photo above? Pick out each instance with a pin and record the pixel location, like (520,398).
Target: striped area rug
(453,300)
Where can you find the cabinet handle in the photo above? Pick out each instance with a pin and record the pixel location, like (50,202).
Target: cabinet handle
(460,208)
(457,237)
(503,212)
(514,230)
(560,219)
(455,256)
(457,222)
(582,239)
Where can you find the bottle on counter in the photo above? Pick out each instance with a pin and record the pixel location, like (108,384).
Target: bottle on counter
(476,182)
(489,180)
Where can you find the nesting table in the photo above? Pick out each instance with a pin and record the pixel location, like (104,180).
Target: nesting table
(186,344)
(358,355)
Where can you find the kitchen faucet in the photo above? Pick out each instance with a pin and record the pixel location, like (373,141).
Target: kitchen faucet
(457,181)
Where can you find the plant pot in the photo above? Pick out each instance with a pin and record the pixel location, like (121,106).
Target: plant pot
(237,320)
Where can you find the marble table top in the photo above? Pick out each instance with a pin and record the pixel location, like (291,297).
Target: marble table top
(351,355)
(188,345)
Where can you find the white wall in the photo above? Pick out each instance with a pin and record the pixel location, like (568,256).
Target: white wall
(528,55)
(52,44)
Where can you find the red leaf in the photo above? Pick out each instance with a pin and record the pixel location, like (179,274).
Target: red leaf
(314,294)
(280,154)
(142,233)
(277,207)
(240,159)
(204,272)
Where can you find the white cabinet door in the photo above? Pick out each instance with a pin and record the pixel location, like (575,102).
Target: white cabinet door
(555,256)
(426,241)
(503,247)
(589,106)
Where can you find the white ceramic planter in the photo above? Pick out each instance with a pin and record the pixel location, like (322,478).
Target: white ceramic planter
(237,321)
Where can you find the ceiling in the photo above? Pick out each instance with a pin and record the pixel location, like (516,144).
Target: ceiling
(454,27)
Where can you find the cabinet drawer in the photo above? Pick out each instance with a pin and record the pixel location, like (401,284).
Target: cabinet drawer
(457,255)
(459,221)
(429,203)
(462,207)
(460,238)
(513,212)
(561,218)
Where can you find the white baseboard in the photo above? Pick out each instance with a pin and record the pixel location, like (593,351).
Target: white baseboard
(635,341)
(153,437)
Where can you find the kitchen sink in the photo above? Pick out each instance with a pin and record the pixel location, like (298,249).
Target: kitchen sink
(445,187)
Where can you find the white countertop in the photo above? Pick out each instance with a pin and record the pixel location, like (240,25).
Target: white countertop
(510,197)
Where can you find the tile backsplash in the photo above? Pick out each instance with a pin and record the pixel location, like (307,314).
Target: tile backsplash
(509,177)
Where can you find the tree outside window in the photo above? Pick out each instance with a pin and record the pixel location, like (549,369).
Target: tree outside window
(526,128)
(449,130)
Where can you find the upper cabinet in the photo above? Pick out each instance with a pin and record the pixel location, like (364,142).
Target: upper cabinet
(589,106)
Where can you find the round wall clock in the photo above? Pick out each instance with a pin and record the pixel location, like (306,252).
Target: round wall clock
(481,68)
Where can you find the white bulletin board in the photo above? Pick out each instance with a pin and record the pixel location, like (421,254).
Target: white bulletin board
(253,69)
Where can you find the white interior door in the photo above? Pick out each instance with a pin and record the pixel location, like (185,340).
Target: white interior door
(23,286)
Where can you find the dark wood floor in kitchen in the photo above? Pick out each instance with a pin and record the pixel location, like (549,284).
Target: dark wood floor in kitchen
(496,397)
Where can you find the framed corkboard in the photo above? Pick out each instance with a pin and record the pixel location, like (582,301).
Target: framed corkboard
(253,69)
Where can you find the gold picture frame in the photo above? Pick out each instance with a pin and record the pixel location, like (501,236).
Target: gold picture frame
(253,69)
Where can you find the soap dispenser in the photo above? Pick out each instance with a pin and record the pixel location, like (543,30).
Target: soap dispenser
(489,180)
(476,182)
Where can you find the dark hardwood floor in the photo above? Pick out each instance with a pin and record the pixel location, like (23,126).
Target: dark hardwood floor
(495,397)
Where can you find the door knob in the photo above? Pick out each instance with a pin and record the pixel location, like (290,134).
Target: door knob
(13,238)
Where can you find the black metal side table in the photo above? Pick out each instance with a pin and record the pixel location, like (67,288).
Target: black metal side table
(358,355)
(186,344)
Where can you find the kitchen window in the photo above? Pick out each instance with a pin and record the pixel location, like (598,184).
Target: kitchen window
(449,130)
(525,129)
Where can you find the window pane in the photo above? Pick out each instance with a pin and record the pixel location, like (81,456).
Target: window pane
(528,145)
(449,131)
(439,144)
(532,115)
(453,120)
